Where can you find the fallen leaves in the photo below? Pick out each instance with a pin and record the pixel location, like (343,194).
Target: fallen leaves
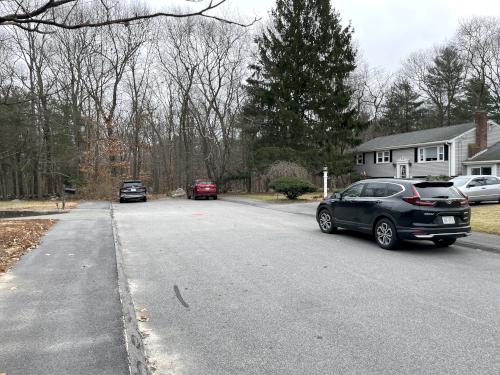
(143,315)
(17,237)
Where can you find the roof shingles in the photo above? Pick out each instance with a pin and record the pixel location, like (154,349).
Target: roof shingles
(415,138)
(491,153)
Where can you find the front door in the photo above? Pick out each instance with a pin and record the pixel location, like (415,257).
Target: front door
(403,170)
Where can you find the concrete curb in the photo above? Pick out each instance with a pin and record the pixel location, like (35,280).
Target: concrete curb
(476,246)
(133,340)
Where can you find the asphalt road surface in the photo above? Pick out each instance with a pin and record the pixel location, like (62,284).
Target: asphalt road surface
(60,311)
(230,288)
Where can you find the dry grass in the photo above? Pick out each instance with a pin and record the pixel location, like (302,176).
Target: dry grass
(486,218)
(19,236)
(34,205)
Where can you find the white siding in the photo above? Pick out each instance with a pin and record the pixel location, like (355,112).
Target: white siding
(493,134)
(462,149)
(389,170)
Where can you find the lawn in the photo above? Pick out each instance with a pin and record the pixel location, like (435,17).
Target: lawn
(486,218)
(34,205)
(19,236)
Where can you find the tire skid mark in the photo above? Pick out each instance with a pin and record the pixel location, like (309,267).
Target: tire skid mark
(179,297)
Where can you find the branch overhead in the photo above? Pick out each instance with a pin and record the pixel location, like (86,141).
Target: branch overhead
(53,13)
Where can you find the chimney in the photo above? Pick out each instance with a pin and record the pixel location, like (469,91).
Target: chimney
(481,121)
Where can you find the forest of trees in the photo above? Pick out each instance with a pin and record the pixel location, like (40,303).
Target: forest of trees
(167,99)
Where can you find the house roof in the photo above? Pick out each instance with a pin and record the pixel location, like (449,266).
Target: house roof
(491,153)
(415,138)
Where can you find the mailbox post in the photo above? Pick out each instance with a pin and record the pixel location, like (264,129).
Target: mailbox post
(325,182)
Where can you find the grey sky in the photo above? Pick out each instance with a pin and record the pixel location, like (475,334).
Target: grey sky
(387,31)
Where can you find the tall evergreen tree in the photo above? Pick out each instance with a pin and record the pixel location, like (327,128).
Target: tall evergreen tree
(445,78)
(300,100)
(403,109)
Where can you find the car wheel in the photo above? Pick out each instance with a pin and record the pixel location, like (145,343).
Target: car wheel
(326,222)
(215,197)
(443,242)
(122,200)
(386,235)
(145,199)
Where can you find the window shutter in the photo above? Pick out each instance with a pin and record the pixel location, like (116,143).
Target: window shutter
(445,152)
(363,158)
(390,156)
(416,155)
(374,157)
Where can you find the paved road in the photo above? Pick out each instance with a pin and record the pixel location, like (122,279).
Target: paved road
(238,289)
(60,311)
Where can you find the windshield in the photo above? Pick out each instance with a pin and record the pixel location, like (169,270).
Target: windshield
(204,182)
(460,181)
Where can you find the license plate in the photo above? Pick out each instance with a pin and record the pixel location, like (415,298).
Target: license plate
(207,188)
(448,219)
(133,189)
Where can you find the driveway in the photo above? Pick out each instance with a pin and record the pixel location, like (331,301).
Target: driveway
(232,288)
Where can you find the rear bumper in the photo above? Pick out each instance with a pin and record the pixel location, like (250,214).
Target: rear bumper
(433,233)
(132,195)
(205,193)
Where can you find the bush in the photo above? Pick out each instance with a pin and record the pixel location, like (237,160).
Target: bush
(286,169)
(292,187)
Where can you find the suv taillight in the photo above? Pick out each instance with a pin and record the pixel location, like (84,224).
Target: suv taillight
(416,201)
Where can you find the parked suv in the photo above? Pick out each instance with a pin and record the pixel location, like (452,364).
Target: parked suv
(201,188)
(132,190)
(395,210)
(479,188)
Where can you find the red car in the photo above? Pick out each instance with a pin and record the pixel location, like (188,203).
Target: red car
(201,188)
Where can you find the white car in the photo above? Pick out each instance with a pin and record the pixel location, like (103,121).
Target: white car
(479,188)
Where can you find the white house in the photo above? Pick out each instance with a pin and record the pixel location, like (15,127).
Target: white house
(470,148)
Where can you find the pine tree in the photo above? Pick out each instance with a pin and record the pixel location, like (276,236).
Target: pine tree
(300,100)
(403,109)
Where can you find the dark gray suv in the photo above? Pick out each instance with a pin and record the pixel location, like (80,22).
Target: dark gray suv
(395,210)
(132,190)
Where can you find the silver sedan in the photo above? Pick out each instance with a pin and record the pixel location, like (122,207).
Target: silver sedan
(479,188)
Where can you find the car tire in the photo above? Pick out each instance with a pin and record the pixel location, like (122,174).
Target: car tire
(214,197)
(386,235)
(444,242)
(145,199)
(325,222)
(122,200)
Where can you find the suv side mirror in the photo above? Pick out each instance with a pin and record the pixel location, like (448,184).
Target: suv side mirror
(337,196)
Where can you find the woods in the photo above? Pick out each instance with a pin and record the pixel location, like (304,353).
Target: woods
(87,99)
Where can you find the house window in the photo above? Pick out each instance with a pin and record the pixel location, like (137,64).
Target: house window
(359,159)
(476,171)
(383,157)
(433,153)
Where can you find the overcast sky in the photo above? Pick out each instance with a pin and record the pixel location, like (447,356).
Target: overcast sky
(387,31)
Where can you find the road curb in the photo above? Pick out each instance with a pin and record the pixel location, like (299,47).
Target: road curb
(476,246)
(133,339)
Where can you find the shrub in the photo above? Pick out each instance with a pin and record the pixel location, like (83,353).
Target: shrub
(292,187)
(286,169)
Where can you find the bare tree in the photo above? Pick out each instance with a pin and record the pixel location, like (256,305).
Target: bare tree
(30,16)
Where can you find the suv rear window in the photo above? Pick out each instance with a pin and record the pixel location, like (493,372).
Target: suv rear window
(132,183)
(204,182)
(438,192)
